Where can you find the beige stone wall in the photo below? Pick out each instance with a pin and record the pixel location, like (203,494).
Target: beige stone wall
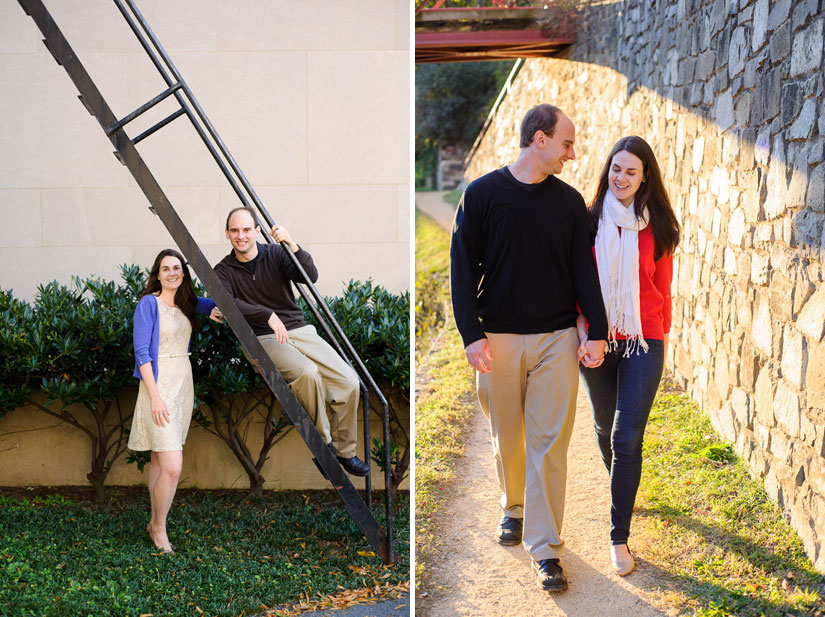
(312,99)
(39,450)
(730,97)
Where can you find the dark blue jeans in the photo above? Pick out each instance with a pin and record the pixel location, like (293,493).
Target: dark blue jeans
(621,393)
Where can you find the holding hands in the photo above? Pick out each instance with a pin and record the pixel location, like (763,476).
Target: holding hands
(591,353)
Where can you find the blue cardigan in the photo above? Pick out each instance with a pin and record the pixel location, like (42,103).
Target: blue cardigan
(146,333)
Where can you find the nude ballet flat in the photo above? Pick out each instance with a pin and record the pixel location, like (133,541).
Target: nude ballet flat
(623,562)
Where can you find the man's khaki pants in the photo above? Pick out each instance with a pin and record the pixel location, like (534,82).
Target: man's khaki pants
(318,375)
(530,400)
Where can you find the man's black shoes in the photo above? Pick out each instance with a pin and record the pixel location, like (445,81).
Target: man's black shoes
(353,465)
(509,530)
(550,575)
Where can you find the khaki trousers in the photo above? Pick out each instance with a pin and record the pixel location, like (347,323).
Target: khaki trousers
(530,400)
(319,377)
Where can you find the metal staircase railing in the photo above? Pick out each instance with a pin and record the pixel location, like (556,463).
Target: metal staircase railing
(128,155)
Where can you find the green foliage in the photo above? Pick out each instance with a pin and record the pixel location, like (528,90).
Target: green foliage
(62,558)
(452,100)
(720,452)
(376,323)
(76,344)
(16,359)
(378,452)
(426,163)
(140,459)
(85,341)
(79,348)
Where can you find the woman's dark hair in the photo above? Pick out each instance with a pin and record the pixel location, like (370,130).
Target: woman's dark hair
(185,298)
(663,223)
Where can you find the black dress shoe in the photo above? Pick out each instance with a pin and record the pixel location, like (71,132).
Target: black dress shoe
(354,465)
(550,575)
(509,530)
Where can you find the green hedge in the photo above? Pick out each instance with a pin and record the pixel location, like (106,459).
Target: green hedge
(74,345)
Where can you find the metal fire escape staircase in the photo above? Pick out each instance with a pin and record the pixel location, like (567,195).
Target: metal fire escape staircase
(126,152)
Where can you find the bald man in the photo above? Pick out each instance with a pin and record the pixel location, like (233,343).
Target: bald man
(520,261)
(258,277)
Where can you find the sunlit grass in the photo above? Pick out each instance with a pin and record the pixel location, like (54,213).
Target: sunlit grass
(709,529)
(446,393)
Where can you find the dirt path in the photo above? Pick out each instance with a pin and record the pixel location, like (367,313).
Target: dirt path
(432,203)
(476,577)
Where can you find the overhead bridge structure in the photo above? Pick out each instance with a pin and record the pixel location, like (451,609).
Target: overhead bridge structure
(501,31)
(126,151)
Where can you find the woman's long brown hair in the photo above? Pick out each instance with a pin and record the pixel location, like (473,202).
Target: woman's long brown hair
(652,193)
(185,298)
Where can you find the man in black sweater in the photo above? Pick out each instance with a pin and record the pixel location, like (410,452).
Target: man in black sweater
(258,276)
(521,260)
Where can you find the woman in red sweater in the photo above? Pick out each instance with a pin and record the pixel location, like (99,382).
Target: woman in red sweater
(636,234)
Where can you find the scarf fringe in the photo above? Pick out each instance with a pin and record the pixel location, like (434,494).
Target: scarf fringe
(618,260)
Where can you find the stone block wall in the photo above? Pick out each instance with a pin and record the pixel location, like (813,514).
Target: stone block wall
(729,93)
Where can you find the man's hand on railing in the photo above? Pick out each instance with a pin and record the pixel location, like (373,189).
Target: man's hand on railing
(280,234)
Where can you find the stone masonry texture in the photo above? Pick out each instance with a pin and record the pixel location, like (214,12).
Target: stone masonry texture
(729,93)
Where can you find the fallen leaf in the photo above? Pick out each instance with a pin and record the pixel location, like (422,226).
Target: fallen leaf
(366,553)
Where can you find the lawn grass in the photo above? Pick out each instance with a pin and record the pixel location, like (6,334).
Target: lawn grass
(445,398)
(453,196)
(233,557)
(720,545)
(432,281)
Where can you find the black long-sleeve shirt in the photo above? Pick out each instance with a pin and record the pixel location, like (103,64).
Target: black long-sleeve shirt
(266,289)
(521,258)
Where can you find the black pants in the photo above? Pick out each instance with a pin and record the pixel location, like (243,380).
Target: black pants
(621,393)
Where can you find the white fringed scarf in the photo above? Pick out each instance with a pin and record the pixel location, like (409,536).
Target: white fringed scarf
(617,257)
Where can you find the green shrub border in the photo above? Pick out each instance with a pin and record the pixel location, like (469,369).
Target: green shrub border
(74,345)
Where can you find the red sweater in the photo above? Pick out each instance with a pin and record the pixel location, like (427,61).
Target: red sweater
(654,288)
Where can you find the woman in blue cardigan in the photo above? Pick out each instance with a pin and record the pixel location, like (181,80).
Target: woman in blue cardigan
(164,320)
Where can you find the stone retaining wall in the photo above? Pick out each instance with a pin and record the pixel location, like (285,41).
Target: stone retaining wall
(730,96)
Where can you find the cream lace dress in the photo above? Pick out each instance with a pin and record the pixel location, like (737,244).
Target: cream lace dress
(174,386)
